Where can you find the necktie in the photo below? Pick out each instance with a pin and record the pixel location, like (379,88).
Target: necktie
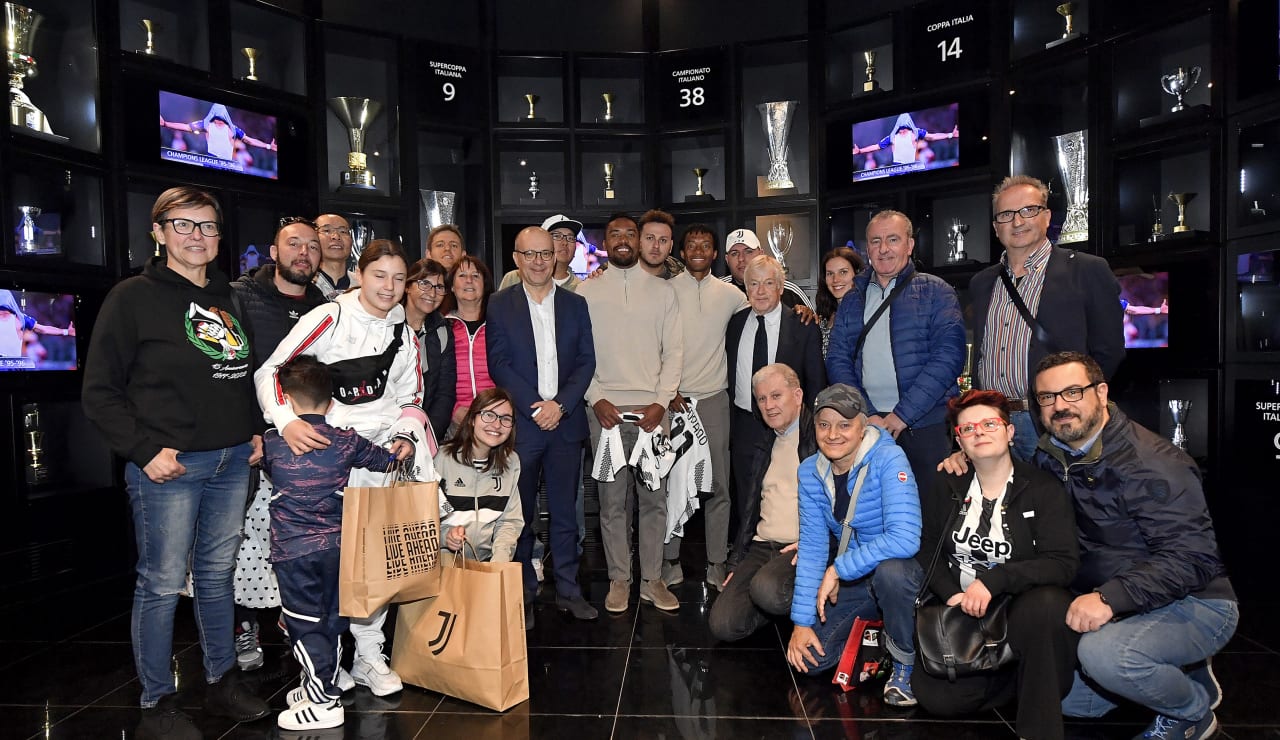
(760,355)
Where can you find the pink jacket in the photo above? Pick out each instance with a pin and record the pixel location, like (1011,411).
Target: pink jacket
(473,362)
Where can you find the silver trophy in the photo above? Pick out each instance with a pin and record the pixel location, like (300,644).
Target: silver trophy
(27,233)
(1179,409)
(356,114)
(1073,163)
(361,234)
(533,185)
(1179,83)
(780,237)
(437,207)
(776,117)
(1157,220)
(955,240)
(21,24)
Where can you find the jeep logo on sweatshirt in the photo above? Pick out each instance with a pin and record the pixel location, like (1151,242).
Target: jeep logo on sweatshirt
(216,333)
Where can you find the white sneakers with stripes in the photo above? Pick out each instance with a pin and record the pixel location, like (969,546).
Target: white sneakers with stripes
(307,715)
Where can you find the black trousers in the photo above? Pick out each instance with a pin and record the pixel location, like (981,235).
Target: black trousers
(761,588)
(1046,650)
(746,434)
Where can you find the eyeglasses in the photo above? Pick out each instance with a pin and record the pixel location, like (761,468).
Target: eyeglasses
(334,231)
(505,420)
(737,253)
(1070,395)
(291,220)
(185,226)
(429,287)
(969,429)
(563,237)
(536,254)
(1026,212)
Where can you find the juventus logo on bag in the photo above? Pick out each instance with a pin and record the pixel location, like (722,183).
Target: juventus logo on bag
(447,623)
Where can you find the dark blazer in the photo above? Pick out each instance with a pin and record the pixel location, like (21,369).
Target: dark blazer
(513,358)
(760,459)
(1079,308)
(799,347)
(1039,521)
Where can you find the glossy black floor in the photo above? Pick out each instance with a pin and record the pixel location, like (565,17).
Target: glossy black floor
(68,674)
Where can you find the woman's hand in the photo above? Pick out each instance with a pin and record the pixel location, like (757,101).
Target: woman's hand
(455,538)
(401,448)
(165,467)
(976,598)
(302,437)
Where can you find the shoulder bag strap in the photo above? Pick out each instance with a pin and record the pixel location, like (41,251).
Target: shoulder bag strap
(1041,334)
(847,530)
(937,551)
(866,328)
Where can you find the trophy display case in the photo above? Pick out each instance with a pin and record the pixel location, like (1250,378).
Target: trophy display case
(790,238)
(61,452)
(1252,447)
(1253,206)
(533,173)
(1182,410)
(452,187)
(775,120)
(693,169)
(167,31)
(1040,26)
(530,91)
(53,72)
(268,48)
(954,230)
(860,61)
(56,219)
(361,117)
(1165,78)
(1253,299)
(611,91)
(611,173)
(1165,198)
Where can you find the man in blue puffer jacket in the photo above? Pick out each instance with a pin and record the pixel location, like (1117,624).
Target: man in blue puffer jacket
(859,528)
(907,365)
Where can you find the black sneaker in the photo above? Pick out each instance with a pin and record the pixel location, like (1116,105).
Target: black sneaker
(166,721)
(229,698)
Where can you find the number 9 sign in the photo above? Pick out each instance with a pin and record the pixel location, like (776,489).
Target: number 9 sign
(450,92)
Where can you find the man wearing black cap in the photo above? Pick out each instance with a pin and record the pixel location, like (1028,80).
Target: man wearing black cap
(564,240)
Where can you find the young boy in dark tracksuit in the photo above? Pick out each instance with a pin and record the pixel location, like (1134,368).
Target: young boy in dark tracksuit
(306,523)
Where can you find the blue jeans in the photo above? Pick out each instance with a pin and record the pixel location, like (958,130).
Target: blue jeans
(193,523)
(889,591)
(1025,436)
(1140,658)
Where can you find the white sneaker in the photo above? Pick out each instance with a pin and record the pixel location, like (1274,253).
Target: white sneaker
(307,715)
(296,696)
(376,674)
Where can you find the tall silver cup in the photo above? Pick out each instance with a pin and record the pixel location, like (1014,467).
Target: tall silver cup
(21,24)
(1073,164)
(1179,409)
(776,117)
(437,207)
(356,114)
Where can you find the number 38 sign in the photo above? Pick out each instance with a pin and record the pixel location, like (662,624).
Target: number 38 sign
(950,42)
(692,86)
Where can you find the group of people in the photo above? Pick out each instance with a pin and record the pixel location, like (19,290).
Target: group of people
(816,439)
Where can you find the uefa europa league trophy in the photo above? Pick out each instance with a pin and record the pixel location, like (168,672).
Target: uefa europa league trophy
(152,28)
(609,193)
(779,238)
(533,99)
(1182,199)
(776,117)
(955,240)
(608,107)
(1179,408)
(870,84)
(21,24)
(251,54)
(533,185)
(1073,163)
(37,472)
(437,207)
(356,114)
(26,231)
(1180,83)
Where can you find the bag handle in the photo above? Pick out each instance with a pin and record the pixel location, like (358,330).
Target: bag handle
(399,472)
(937,551)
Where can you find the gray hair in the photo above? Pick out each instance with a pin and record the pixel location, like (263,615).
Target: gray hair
(778,368)
(768,262)
(1013,181)
(890,213)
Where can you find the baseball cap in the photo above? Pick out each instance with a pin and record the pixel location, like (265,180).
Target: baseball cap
(741,236)
(844,399)
(561,221)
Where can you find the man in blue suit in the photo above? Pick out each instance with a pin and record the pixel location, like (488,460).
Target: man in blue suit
(542,352)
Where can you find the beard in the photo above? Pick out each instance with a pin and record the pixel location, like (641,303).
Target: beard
(1087,426)
(297,277)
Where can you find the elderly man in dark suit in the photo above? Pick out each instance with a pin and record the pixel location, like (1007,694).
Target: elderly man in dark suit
(761,334)
(542,352)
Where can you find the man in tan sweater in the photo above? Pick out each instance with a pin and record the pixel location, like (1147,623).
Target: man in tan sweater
(639,344)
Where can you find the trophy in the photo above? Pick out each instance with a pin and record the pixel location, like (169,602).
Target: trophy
(27,233)
(1179,408)
(608,107)
(955,240)
(37,472)
(361,234)
(1257,211)
(21,24)
(1073,163)
(532,100)
(1180,83)
(699,172)
(356,114)
(533,185)
(251,54)
(152,28)
(609,194)
(1157,220)
(870,85)
(1182,199)
(779,238)
(776,117)
(1066,10)
(437,207)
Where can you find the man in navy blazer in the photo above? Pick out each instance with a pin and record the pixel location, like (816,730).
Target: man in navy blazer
(788,340)
(542,352)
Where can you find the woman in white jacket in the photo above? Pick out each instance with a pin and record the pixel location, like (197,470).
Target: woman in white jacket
(377,390)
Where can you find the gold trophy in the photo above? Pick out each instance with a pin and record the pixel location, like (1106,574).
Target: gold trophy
(870,85)
(21,24)
(699,172)
(251,54)
(608,107)
(701,196)
(152,28)
(609,193)
(37,471)
(1182,199)
(532,100)
(1067,11)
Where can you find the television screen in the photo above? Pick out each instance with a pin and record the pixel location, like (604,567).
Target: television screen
(215,136)
(926,139)
(37,331)
(1145,298)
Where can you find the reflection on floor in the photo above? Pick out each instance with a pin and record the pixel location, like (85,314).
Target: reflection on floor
(68,673)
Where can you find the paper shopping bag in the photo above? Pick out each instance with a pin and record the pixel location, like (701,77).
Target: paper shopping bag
(864,658)
(390,546)
(468,642)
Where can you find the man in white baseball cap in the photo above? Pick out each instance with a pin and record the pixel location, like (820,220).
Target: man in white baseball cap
(564,240)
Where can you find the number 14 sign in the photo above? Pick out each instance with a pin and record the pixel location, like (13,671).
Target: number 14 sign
(950,42)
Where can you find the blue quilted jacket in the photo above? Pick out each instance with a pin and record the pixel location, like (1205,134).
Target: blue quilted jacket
(886,519)
(927,333)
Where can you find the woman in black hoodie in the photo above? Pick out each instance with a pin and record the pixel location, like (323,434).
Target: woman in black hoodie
(169,384)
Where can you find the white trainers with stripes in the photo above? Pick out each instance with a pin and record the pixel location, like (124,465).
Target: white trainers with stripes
(307,715)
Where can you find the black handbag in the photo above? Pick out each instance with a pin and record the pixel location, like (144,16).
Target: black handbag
(951,644)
